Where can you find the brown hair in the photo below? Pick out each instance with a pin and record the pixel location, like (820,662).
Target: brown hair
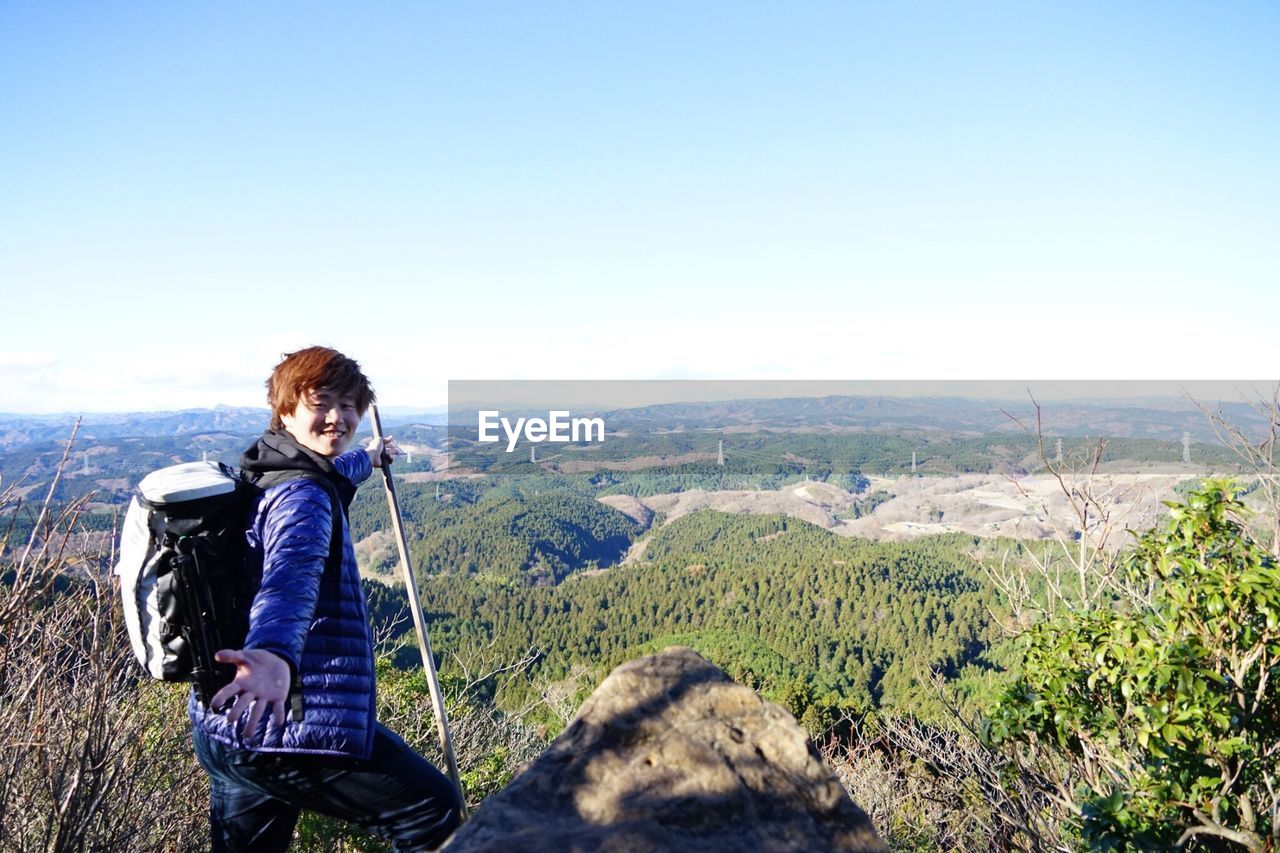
(315,369)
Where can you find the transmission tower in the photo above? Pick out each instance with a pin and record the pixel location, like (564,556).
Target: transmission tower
(1186,447)
(913,463)
(720,455)
(1059,459)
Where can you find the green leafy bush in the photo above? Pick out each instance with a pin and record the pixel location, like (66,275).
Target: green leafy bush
(1162,707)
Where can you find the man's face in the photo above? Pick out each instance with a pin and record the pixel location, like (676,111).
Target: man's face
(324,421)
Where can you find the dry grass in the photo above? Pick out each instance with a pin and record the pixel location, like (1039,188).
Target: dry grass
(91,757)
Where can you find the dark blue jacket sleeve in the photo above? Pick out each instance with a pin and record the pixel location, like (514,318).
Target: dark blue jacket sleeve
(354,465)
(296,531)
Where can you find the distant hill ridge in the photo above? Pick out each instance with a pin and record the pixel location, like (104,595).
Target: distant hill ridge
(17,430)
(1148,417)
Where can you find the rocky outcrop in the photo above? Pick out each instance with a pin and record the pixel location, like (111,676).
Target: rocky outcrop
(669,753)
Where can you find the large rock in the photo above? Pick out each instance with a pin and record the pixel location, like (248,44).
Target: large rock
(669,753)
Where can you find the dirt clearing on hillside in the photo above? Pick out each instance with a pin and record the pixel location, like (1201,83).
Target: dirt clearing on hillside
(987,505)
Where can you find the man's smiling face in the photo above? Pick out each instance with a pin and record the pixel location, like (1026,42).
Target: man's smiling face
(323,421)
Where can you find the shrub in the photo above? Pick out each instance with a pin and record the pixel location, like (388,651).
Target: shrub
(1160,711)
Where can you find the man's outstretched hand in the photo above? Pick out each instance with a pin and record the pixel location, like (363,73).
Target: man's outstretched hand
(261,683)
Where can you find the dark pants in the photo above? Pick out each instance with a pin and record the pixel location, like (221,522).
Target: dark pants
(396,794)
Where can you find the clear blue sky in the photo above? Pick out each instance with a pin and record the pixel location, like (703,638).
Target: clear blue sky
(642,191)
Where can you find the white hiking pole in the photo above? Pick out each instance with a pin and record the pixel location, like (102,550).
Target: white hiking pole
(419,621)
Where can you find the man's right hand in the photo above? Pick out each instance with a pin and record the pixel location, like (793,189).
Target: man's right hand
(261,683)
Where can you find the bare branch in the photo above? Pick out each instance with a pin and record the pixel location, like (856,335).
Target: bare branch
(48,500)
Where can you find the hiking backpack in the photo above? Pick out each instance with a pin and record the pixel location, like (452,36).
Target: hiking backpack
(184,583)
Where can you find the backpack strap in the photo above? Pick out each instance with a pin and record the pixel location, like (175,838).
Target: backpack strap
(273,478)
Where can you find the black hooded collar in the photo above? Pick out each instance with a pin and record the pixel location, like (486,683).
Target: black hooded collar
(278,451)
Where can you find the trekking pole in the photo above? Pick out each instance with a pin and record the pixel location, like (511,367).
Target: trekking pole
(419,621)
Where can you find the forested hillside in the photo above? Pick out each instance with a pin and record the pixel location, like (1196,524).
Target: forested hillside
(538,539)
(654,463)
(802,614)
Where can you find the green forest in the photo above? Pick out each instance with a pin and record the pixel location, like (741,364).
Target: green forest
(803,615)
(770,458)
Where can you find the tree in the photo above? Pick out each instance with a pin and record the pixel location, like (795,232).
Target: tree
(1159,716)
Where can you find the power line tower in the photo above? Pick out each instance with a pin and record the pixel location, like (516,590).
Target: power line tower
(913,463)
(533,453)
(1186,447)
(720,454)
(1059,457)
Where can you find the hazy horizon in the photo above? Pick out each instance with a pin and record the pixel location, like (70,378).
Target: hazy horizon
(638,393)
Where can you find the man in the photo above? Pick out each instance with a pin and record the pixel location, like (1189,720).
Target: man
(296,727)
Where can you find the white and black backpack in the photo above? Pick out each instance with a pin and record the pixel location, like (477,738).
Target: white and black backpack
(184,583)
